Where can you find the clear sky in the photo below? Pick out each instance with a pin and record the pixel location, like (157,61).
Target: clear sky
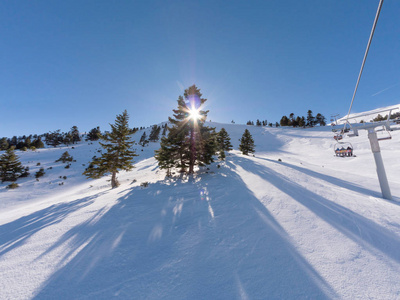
(65,63)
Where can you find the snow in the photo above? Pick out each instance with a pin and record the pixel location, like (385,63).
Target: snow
(291,222)
(368,116)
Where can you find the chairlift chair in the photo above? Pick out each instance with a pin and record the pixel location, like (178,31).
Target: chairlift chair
(383,134)
(338,137)
(343,149)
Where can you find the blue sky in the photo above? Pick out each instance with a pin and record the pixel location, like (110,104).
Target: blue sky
(65,63)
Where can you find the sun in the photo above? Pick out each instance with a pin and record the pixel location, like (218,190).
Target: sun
(194,114)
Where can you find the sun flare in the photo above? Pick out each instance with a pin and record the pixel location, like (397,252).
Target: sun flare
(194,114)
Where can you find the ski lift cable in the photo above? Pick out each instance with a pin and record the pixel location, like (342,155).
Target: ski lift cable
(365,58)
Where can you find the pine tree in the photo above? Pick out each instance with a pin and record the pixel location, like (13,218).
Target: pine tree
(164,132)
(189,142)
(4,144)
(247,143)
(65,157)
(166,155)
(224,143)
(296,121)
(155,133)
(143,141)
(54,138)
(68,139)
(10,166)
(75,134)
(310,119)
(320,119)
(37,143)
(118,155)
(28,142)
(284,121)
(94,134)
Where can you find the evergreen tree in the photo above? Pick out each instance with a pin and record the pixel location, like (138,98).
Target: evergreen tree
(54,138)
(143,141)
(284,121)
(258,122)
(4,144)
(166,155)
(291,120)
(189,142)
(310,119)
(296,122)
(155,133)
(247,143)
(13,141)
(224,143)
(68,139)
(28,142)
(118,155)
(302,122)
(37,143)
(65,157)
(75,134)
(320,119)
(94,134)
(10,166)
(164,132)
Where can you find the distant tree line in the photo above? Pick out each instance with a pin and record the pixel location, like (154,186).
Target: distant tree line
(381,118)
(308,121)
(52,138)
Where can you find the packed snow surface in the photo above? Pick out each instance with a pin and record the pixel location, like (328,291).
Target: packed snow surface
(291,222)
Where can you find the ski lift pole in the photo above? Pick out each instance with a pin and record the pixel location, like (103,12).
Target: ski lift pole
(380,169)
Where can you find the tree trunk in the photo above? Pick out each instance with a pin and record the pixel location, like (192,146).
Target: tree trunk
(183,169)
(114,181)
(192,152)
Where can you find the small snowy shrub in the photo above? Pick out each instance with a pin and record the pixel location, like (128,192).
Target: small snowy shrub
(144,184)
(39,173)
(65,157)
(12,186)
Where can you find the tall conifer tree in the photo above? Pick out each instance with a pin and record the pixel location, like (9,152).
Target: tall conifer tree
(75,134)
(247,143)
(224,143)
(10,166)
(189,141)
(118,155)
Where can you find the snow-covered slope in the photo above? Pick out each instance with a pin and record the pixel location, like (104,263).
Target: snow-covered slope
(368,116)
(291,222)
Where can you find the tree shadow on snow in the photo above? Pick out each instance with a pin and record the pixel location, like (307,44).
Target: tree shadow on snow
(334,180)
(16,233)
(193,240)
(374,237)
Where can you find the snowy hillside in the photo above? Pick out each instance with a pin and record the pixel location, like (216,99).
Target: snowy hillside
(368,116)
(292,222)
